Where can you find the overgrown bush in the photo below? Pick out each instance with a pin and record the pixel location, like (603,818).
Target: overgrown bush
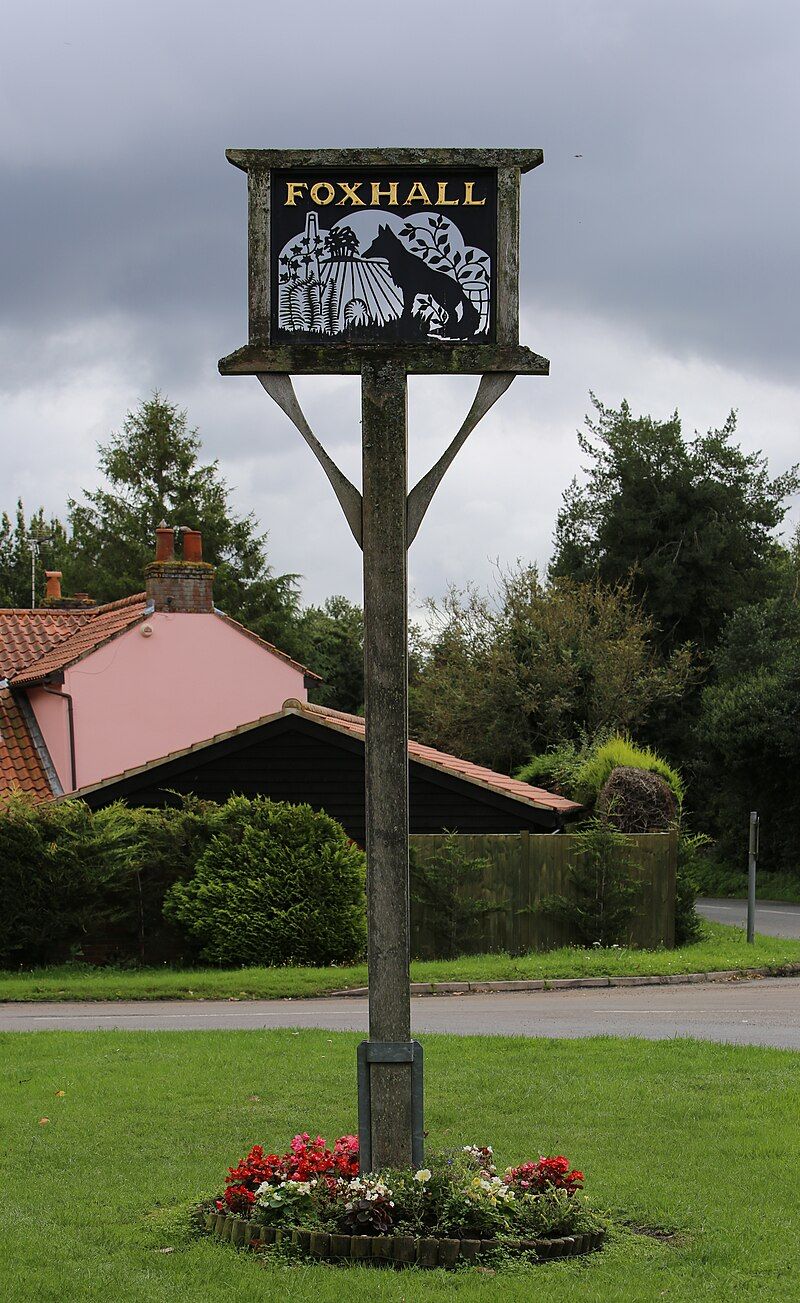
(58,868)
(557,768)
(580,769)
(637,800)
(278,884)
(156,848)
(604,892)
(620,751)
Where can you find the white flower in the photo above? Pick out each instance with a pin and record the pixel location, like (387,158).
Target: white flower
(423,1175)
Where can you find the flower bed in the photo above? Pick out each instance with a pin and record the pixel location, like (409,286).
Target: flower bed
(456,1208)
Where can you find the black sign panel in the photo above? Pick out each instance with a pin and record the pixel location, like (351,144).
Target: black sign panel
(381,256)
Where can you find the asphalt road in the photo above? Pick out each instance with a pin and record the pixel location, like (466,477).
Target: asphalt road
(758,1012)
(774,918)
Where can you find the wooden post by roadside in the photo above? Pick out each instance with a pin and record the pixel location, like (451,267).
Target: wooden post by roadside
(385,462)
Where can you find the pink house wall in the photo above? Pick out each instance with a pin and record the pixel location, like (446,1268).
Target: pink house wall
(138,698)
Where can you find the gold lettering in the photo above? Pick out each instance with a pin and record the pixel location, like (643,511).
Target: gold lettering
(294,190)
(350,194)
(389,190)
(469,186)
(440,198)
(316,193)
(417,195)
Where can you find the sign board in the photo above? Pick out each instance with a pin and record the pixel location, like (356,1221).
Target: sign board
(355,253)
(383,257)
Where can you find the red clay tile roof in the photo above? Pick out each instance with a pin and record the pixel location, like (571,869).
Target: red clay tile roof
(52,639)
(20,766)
(355,726)
(478,774)
(25,636)
(36,643)
(96,628)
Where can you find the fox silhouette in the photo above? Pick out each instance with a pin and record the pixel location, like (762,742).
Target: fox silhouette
(412,276)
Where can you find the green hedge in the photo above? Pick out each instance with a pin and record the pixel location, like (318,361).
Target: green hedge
(278,884)
(74,882)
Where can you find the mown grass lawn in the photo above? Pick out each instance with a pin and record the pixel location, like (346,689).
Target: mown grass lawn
(722,947)
(698,1138)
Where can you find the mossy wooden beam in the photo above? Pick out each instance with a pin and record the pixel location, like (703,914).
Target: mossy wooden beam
(429,358)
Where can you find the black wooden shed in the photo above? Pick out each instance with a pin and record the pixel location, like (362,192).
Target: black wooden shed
(307,754)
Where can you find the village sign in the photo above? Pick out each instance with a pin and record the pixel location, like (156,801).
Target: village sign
(385,263)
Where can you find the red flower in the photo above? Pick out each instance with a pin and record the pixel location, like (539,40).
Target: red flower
(255,1168)
(345,1156)
(548,1174)
(239,1199)
(307,1160)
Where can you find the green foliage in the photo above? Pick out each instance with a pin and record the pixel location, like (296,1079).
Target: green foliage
(717,879)
(46,538)
(688,925)
(615,752)
(580,769)
(278,884)
(557,768)
(603,892)
(56,867)
(689,523)
(67,874)
(332,640)
(153,473)
(154,849)
(501,676)
(438,882)
(747,733)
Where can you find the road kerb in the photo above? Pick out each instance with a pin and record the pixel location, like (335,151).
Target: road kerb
(583,983)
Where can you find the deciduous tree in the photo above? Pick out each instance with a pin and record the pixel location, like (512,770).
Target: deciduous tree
(506,674)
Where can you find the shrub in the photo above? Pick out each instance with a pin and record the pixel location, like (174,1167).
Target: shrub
(688,926)
(620,751)
(636,800)
(438,882)
(580,769)
(557,768)
(603,891)
(157,847)
(278,884)
(57,865)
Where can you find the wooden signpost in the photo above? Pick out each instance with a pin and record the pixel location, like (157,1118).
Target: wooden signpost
(385,263)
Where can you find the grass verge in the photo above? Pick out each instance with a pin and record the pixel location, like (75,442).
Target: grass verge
(718,880)
(696,1138)
(721,947)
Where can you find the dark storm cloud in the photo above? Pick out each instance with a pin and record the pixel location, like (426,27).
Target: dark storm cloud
(668,200)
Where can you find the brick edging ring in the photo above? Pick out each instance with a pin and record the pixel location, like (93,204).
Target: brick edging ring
(398,1250)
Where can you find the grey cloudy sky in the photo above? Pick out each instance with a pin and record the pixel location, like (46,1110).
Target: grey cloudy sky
(660,251)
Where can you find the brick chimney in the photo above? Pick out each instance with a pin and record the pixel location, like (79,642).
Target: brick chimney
(54,600)
(180,586)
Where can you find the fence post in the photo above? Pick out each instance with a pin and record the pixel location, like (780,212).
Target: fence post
(751,877)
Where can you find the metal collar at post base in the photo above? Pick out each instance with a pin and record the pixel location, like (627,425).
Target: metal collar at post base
(378,1052)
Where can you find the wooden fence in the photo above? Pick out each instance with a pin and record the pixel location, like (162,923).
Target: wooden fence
(523,869)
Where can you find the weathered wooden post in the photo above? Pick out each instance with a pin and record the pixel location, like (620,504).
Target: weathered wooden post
(385,263)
